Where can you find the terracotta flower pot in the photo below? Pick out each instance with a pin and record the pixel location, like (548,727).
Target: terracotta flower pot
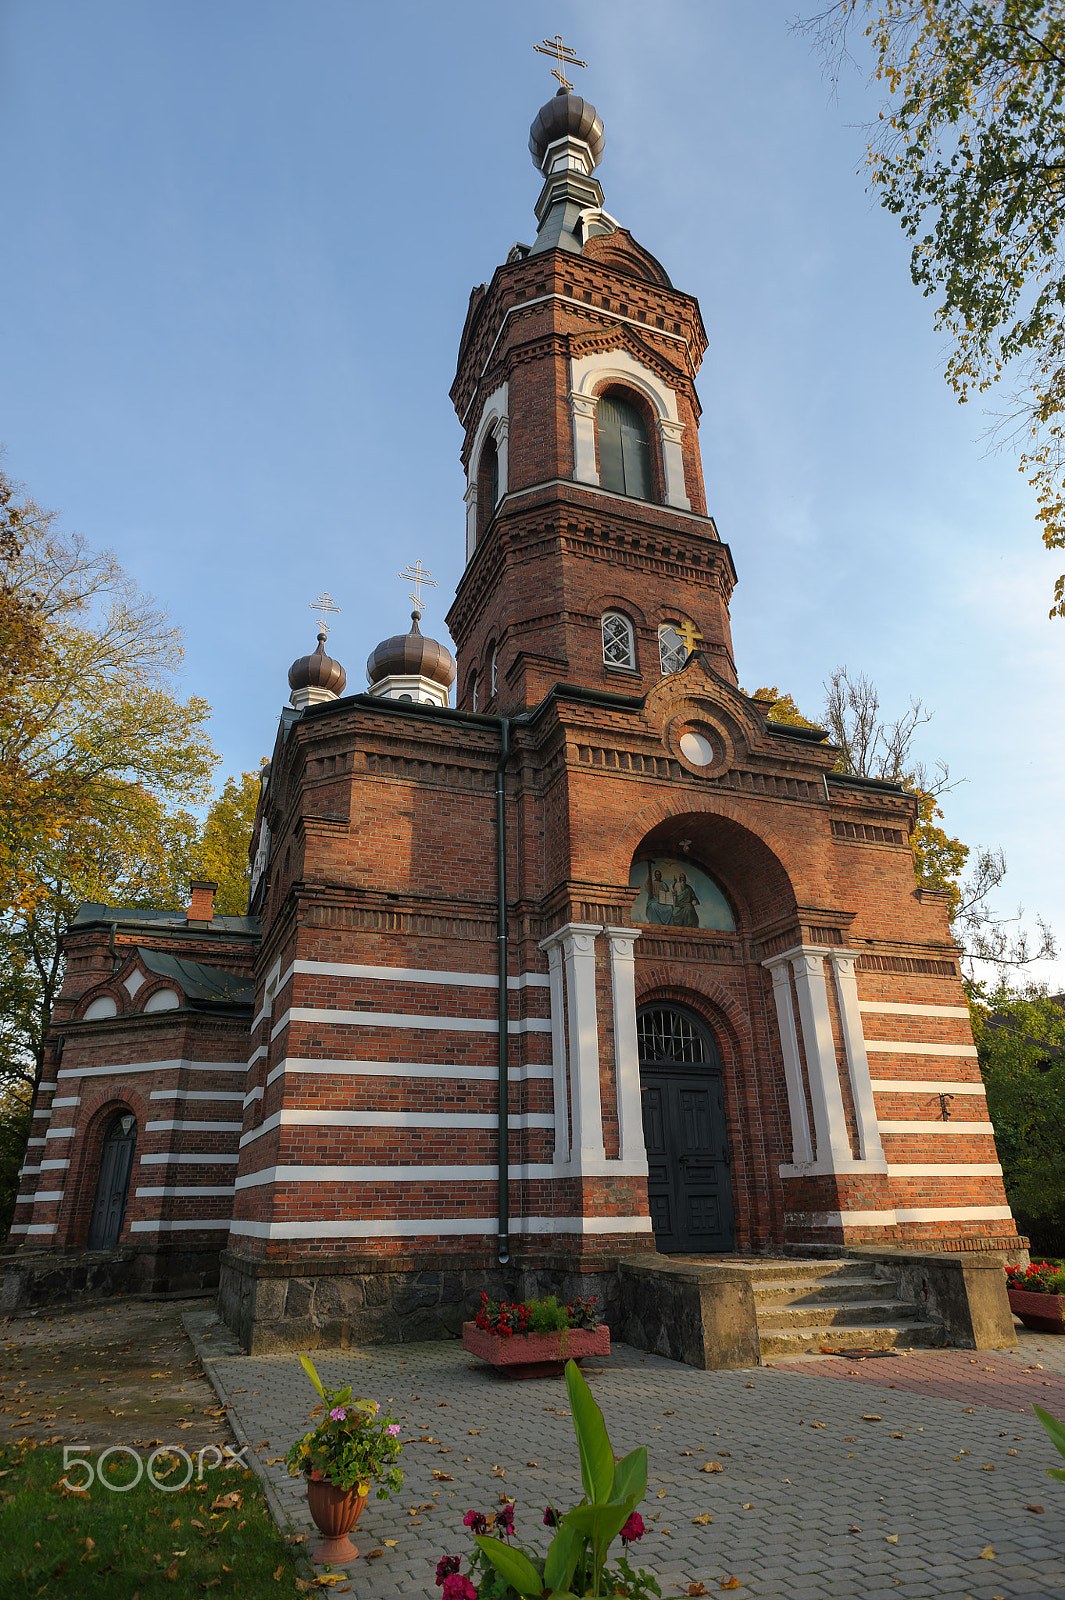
(536,1355)
(335,1512)
(1043,1312)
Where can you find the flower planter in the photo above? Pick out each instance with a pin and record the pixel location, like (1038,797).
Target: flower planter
(1043,1312)
(536,1355)
(335,1512)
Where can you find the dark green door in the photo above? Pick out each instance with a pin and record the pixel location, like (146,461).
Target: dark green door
(112,1186)
(689,1187)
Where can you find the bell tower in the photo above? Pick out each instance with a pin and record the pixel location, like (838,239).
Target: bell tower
(590,556)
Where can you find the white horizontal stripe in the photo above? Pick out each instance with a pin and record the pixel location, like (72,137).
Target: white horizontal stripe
(458,980)
(925,1086)
(196,1094)
(192,1193)
(894,1008)
(910,1047)
(933,1125)
(31,1172)
(46,1088)
(159,1158)
(42,1194)
(257,1055)
(216,1224)
(421,1173)
(193,1127)
(450,1071)
(73,1100)
(406,1228)
(944,1169)
(392,1119)
(33,1227)
(59,1133)
(62,1161)
(30,1142)
(403,1019)
(256,1094)
(44,1113)
(128,1067)
(889,1219)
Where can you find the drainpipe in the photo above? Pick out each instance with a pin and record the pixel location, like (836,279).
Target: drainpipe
(501,1002)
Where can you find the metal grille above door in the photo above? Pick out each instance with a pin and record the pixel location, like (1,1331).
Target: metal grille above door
(689,1186)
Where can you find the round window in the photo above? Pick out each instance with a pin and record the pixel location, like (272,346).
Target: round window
(696,748)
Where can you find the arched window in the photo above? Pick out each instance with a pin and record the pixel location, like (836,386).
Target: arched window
(112,1184)
(474,696)
(103,1006)
(494,670)
(624,449)
(488,479)
(619,648)
(672,650)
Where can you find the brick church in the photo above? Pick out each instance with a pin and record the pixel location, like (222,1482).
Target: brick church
(599,963)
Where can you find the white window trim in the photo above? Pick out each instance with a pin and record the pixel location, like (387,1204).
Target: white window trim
(618,666)
(494,421)
(587,377)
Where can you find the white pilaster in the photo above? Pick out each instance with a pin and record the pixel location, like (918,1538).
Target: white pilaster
(558,1049)
(801,1148)
(470,498)
(626,1051)
(576,943)
(869,1145)
(583,408)
(502,432)
(826,1097)
(670,434)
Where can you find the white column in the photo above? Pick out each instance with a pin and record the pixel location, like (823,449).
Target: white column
(470,498)
(626,1050)
(801,1148)
(869,1145)
(583,408)
(501,431)
(577,940)
(558,1048)
(826,1096)
(670,434)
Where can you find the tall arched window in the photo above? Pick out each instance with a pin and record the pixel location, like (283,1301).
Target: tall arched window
(493,670)
(624,449)
(488,479)
(619,648)
(474,695)
(672,650)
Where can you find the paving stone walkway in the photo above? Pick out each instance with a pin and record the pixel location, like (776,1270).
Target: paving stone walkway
(893,1483)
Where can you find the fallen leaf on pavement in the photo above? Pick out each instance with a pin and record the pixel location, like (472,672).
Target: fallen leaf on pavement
(1039,1510)
(730,1583)
(661,1494)
(871,1416)
(703,1520)
(391,1543)
(892,1538)
(854,1528)
(372,1555)
(987,1553)
(697,1588)
(442,1477)
(711,1466)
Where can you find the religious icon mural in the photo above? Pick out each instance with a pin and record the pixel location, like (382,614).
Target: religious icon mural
(678,894)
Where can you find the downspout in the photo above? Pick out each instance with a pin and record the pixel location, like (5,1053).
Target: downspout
(501,1001)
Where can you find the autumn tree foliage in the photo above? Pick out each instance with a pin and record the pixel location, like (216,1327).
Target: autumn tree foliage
(969,153)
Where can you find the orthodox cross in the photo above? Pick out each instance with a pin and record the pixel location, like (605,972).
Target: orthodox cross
(322,605)
(418,575)
(689,634)
(563,54)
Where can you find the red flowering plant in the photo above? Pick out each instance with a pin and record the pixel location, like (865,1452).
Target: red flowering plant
(548,1315)
(502,1568)
(1041,1277)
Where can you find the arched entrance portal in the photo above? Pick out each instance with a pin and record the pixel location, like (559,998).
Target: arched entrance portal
(689,1187)
(112,1186)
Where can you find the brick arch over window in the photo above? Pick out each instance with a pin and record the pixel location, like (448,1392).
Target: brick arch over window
(96,1117)
(495,426)
(608,369)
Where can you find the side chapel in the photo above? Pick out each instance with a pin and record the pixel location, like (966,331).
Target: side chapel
(724,1016)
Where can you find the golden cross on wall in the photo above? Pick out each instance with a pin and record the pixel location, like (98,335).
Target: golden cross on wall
(324,604)
(563,54)
(418,575)
(689,634)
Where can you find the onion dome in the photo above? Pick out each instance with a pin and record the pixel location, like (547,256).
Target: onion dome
(412,655)
(315,678)
(566,116)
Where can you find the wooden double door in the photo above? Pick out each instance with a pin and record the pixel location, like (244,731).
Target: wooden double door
(112,1185)
(689,1184)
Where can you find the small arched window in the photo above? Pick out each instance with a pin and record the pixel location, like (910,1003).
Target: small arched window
(672,650)
(493,670)
(624,448)
(619,649)
(488,477)
(474,692)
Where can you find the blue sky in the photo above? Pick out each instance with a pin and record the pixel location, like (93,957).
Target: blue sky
(240,240)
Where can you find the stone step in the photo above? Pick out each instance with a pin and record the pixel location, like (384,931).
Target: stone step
(813,1291)
(857,1313)
(796,1271)
(873,1336)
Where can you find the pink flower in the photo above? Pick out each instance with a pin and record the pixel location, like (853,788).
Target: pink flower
(475,1520)
(393,1429)
(457,1587)
(550,1517)
(446,1567)
(633,1529)
(505,1520)
(339,1414)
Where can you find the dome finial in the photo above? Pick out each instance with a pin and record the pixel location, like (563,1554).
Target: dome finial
(566,57)
(317,677)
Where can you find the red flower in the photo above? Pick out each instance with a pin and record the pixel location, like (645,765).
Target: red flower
(633,1529)
(446,1567)
(475,1520)
(457,1587)
(505,1520)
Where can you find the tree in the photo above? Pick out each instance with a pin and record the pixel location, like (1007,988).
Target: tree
(969,154)
(1020,1041)
(224,842)
(783,709)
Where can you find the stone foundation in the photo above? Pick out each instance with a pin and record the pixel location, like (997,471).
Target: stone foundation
(32,1280)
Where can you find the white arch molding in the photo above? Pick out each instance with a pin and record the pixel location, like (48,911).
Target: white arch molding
(494,421)
(587,379)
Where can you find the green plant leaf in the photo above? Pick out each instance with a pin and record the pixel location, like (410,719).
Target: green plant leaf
(1056,1472)
(1054,1428)
(517,1569)
(561,1559)
(599,1523)
(308,1367)
(593,1442)
(630,1477)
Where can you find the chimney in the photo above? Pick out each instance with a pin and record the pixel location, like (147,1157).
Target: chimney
(201,908)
